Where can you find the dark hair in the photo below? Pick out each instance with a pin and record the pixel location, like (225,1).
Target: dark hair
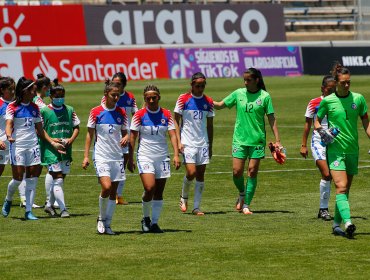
(151,88)
(338,69)
(22,85)
(109,85)
(198,75)
(56,87)
(41,81)
(256,74)
(5,82)
(326,80)
(122,77)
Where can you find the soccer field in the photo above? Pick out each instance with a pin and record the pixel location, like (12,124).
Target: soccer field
(283,239)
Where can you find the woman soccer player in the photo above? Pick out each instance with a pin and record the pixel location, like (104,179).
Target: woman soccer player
(318,151)
(252,104)
(61,123)
(342,110)
(126,101)
(22,122)
(194,114)
(7,87)
(109,123)
(151,125)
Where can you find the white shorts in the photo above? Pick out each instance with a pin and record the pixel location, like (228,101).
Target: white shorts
(25,157)
(318,151)
(113,169)
(160,167)
(62,166)
(4,157)
(197,155)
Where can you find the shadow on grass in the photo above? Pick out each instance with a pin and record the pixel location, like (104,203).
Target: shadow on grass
(211,213)
(148,233)
(359,217)
(50,217)
(272,211)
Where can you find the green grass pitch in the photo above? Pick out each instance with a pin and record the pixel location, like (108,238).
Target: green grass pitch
(283,239)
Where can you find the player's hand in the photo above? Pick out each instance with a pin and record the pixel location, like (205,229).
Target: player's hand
(176,162)
(277,153)
(124,140)
(326,136)
(85,163)
(58,146)
(304,151)
(181,148)
(11,139)
(2,145)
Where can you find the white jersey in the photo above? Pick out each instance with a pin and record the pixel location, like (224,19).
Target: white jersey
(24,116)
(311,112)
(108,125)
(3,105)
(152,128)
(194,111)
(39,102)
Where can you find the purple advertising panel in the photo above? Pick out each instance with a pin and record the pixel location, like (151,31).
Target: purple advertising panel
(232,62)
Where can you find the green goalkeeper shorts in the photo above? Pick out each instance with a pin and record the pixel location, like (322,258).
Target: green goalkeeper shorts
(343,162)
(244,152)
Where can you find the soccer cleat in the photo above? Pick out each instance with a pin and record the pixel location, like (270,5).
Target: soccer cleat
(50,210)
(183,204)
(6,208)
(197,212)
(246,210)
(239,203)
(109,231)
(23,205)
(29,216)
(154,228)
(64,214)
(120,200)
(338,231)
(100,228)
(145,224)
(324,214)
(350,230)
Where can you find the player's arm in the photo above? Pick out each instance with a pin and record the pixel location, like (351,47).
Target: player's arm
(178,119)
(219,104)
(124,140)
(173,139)
(210,135)
(76,131)
(9,130)
(365,124)
(273,124)
(133,136)
(89,137)
(306,132)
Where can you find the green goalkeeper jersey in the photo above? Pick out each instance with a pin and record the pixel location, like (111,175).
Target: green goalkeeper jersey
(58,124)
(251,109)
(343,113)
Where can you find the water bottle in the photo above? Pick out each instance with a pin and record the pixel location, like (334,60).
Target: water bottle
(334,131)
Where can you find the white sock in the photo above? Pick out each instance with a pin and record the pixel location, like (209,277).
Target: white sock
(31,184)
(120,187)
(324,193)
(48,185)
(185,188)
(156,210)
(111,206)
(198,190)
(102,207)
(12,187)
(147,205)
(59,193)
(22,189)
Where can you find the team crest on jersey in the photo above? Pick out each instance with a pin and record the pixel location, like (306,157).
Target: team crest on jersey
(34,113)
(101,169)
(354,106)
(146,167)
(188,156)
(205,106)
(163,121)
(336,163)
(128,102)
(235,149)
(118,120)
(259,101)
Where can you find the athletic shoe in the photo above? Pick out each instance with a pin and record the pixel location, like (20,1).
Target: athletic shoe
(183,204)
(56,205)
(197,212)
(246,210)
(145,224)
(6,208)
(324,214)
(64,214)
(100,228)
(29,216)
(23,205)
(50,210)
(350,230)
(239,203)
(109,231)
(154,228)
(121,201)
(338,231)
